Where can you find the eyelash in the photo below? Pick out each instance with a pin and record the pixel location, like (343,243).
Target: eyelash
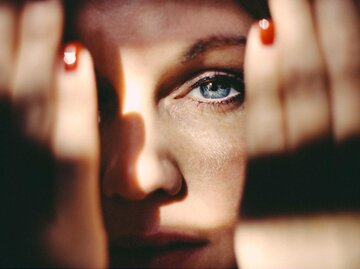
(108,100)
(235,81)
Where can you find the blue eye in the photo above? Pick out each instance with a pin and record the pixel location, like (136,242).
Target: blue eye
(217,87)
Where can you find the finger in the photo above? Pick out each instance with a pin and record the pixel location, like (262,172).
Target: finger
(76,149)
(309,241)
(302,75)
(41,26)
(75,141)
(8,29)
(8,12)
(338,24)
(265,123)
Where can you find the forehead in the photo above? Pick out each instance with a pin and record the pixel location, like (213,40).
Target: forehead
(148,21)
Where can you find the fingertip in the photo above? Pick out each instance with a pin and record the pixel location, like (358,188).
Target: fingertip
(267,31)
(262,34)
(264,127)
(253,34)
(76,84)
(76,69)
(74,57)
(260,61)
(71,55)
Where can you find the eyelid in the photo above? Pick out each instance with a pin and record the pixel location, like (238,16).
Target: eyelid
(197,80)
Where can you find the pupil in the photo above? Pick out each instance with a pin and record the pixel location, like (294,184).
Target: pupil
(215,90)
(212,88)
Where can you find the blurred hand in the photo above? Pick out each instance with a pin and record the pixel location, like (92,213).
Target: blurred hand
(303,133)
(49,157)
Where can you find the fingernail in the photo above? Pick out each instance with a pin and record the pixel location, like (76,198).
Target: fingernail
(71,53)
(267,32)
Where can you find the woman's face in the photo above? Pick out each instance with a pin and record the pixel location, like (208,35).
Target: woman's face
(172,120)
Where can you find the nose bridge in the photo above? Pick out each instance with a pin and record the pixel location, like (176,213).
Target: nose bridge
(134,97)
(137,81)
(140,167)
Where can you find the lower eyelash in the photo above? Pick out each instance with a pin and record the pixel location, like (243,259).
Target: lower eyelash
(220,105)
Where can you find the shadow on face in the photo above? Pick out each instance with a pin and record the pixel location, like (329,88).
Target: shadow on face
(171,94)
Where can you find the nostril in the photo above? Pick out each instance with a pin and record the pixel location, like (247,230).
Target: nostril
(174,187)
(169,196)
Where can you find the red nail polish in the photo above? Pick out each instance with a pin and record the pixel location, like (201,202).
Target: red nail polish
(267,31)
(71,53)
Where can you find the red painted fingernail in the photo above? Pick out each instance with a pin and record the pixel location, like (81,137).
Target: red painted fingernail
(267,32)
(71,54)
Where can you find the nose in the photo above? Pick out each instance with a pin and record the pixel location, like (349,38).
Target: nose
(152,173)
(137,160)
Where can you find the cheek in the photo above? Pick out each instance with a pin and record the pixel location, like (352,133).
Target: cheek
(210,152)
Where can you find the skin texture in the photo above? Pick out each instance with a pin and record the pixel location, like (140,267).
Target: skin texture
(170,163)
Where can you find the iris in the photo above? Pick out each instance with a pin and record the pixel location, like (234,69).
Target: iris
(215,90)
(217,87)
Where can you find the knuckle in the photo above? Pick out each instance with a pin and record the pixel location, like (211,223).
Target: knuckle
(347,67)
(67,168)
(34,93)
(303,77)
(28,103)
(32,112)
(42,22)
(4,80)
(77,154)
(6,67)
(32,122)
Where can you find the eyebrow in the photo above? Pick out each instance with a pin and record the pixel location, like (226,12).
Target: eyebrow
(203,45)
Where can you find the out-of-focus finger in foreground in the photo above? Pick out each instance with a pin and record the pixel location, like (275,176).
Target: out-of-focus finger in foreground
(265,132)
(75,146)
(8,12)
(40,33)
(302,75)
(339,38)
